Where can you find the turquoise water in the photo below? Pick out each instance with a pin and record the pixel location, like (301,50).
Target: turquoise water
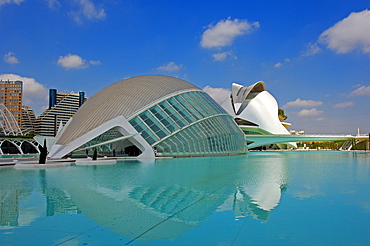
(262,198)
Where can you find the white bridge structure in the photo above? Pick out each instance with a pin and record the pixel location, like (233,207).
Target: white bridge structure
(12,140)
(349,142)
(18,145)
(8,124)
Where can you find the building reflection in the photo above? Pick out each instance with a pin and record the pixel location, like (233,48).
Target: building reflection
(23,184)
(258,198)
(57,201)
(9,207)
(246,204)
(157,200)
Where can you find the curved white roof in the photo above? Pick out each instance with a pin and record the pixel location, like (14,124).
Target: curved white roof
(121,98)
(240,93)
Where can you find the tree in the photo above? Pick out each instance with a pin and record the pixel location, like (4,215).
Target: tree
(43,153)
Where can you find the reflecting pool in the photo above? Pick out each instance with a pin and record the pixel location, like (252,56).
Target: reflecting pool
(261,198)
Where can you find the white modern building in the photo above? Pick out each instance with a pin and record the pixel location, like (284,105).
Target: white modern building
(256,111)
(149,116)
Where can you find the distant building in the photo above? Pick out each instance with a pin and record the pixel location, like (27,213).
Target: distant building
(11,97)
(28,120)
(62,105)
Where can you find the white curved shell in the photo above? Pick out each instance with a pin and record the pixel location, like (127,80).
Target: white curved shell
(255,105)
(122,98)
(263,111)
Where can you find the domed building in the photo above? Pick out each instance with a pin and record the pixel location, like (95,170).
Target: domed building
(149,116)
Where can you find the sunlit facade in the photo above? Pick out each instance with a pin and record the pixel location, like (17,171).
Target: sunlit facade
(256,111)
(150,116)
(62,105)
(11,97)
(28,119)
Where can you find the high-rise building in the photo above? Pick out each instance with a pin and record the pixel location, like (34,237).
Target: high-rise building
(28,119)
(62,105)
(11,97)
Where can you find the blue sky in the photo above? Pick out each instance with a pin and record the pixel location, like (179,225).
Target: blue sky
(314,56)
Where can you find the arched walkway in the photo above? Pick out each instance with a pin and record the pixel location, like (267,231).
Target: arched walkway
(8,147)
(18,146)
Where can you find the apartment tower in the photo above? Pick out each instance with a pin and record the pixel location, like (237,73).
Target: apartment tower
(62,105)
(11,97)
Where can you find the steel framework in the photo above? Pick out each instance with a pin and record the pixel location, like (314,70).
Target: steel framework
(8,124)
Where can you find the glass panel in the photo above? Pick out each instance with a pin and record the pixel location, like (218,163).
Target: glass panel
(149,138)
(180,109)
(208,137)
(154,125)
(172,114)
(208,103)
(214,104)
(164,119)
(195,103)
(147,118)
(188,107)
(146,133)
(161,133)
(204,104)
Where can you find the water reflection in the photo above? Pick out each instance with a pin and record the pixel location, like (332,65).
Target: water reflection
(147,200)
(259,197)
(57,200)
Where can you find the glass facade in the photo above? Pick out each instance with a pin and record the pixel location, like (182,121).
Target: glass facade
(191,123)
(106,148)
(213,136)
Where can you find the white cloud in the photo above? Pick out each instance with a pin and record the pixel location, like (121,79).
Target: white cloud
(88,10)
(31,88)
(312,49)
(218,94)
(170,67)
(75,61)
(72,61)
(225,31)
(10,58)
(361,91)
(302,104)
(349,34)
(53,4)
(280,64)
(35,94)
(223,55)
(309,112)
(343,105)
(2,2)
(94,62)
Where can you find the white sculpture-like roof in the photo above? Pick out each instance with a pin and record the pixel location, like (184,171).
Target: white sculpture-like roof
(240,93)
(121,98)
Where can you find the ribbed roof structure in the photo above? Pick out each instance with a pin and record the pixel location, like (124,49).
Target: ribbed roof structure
(121,98)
